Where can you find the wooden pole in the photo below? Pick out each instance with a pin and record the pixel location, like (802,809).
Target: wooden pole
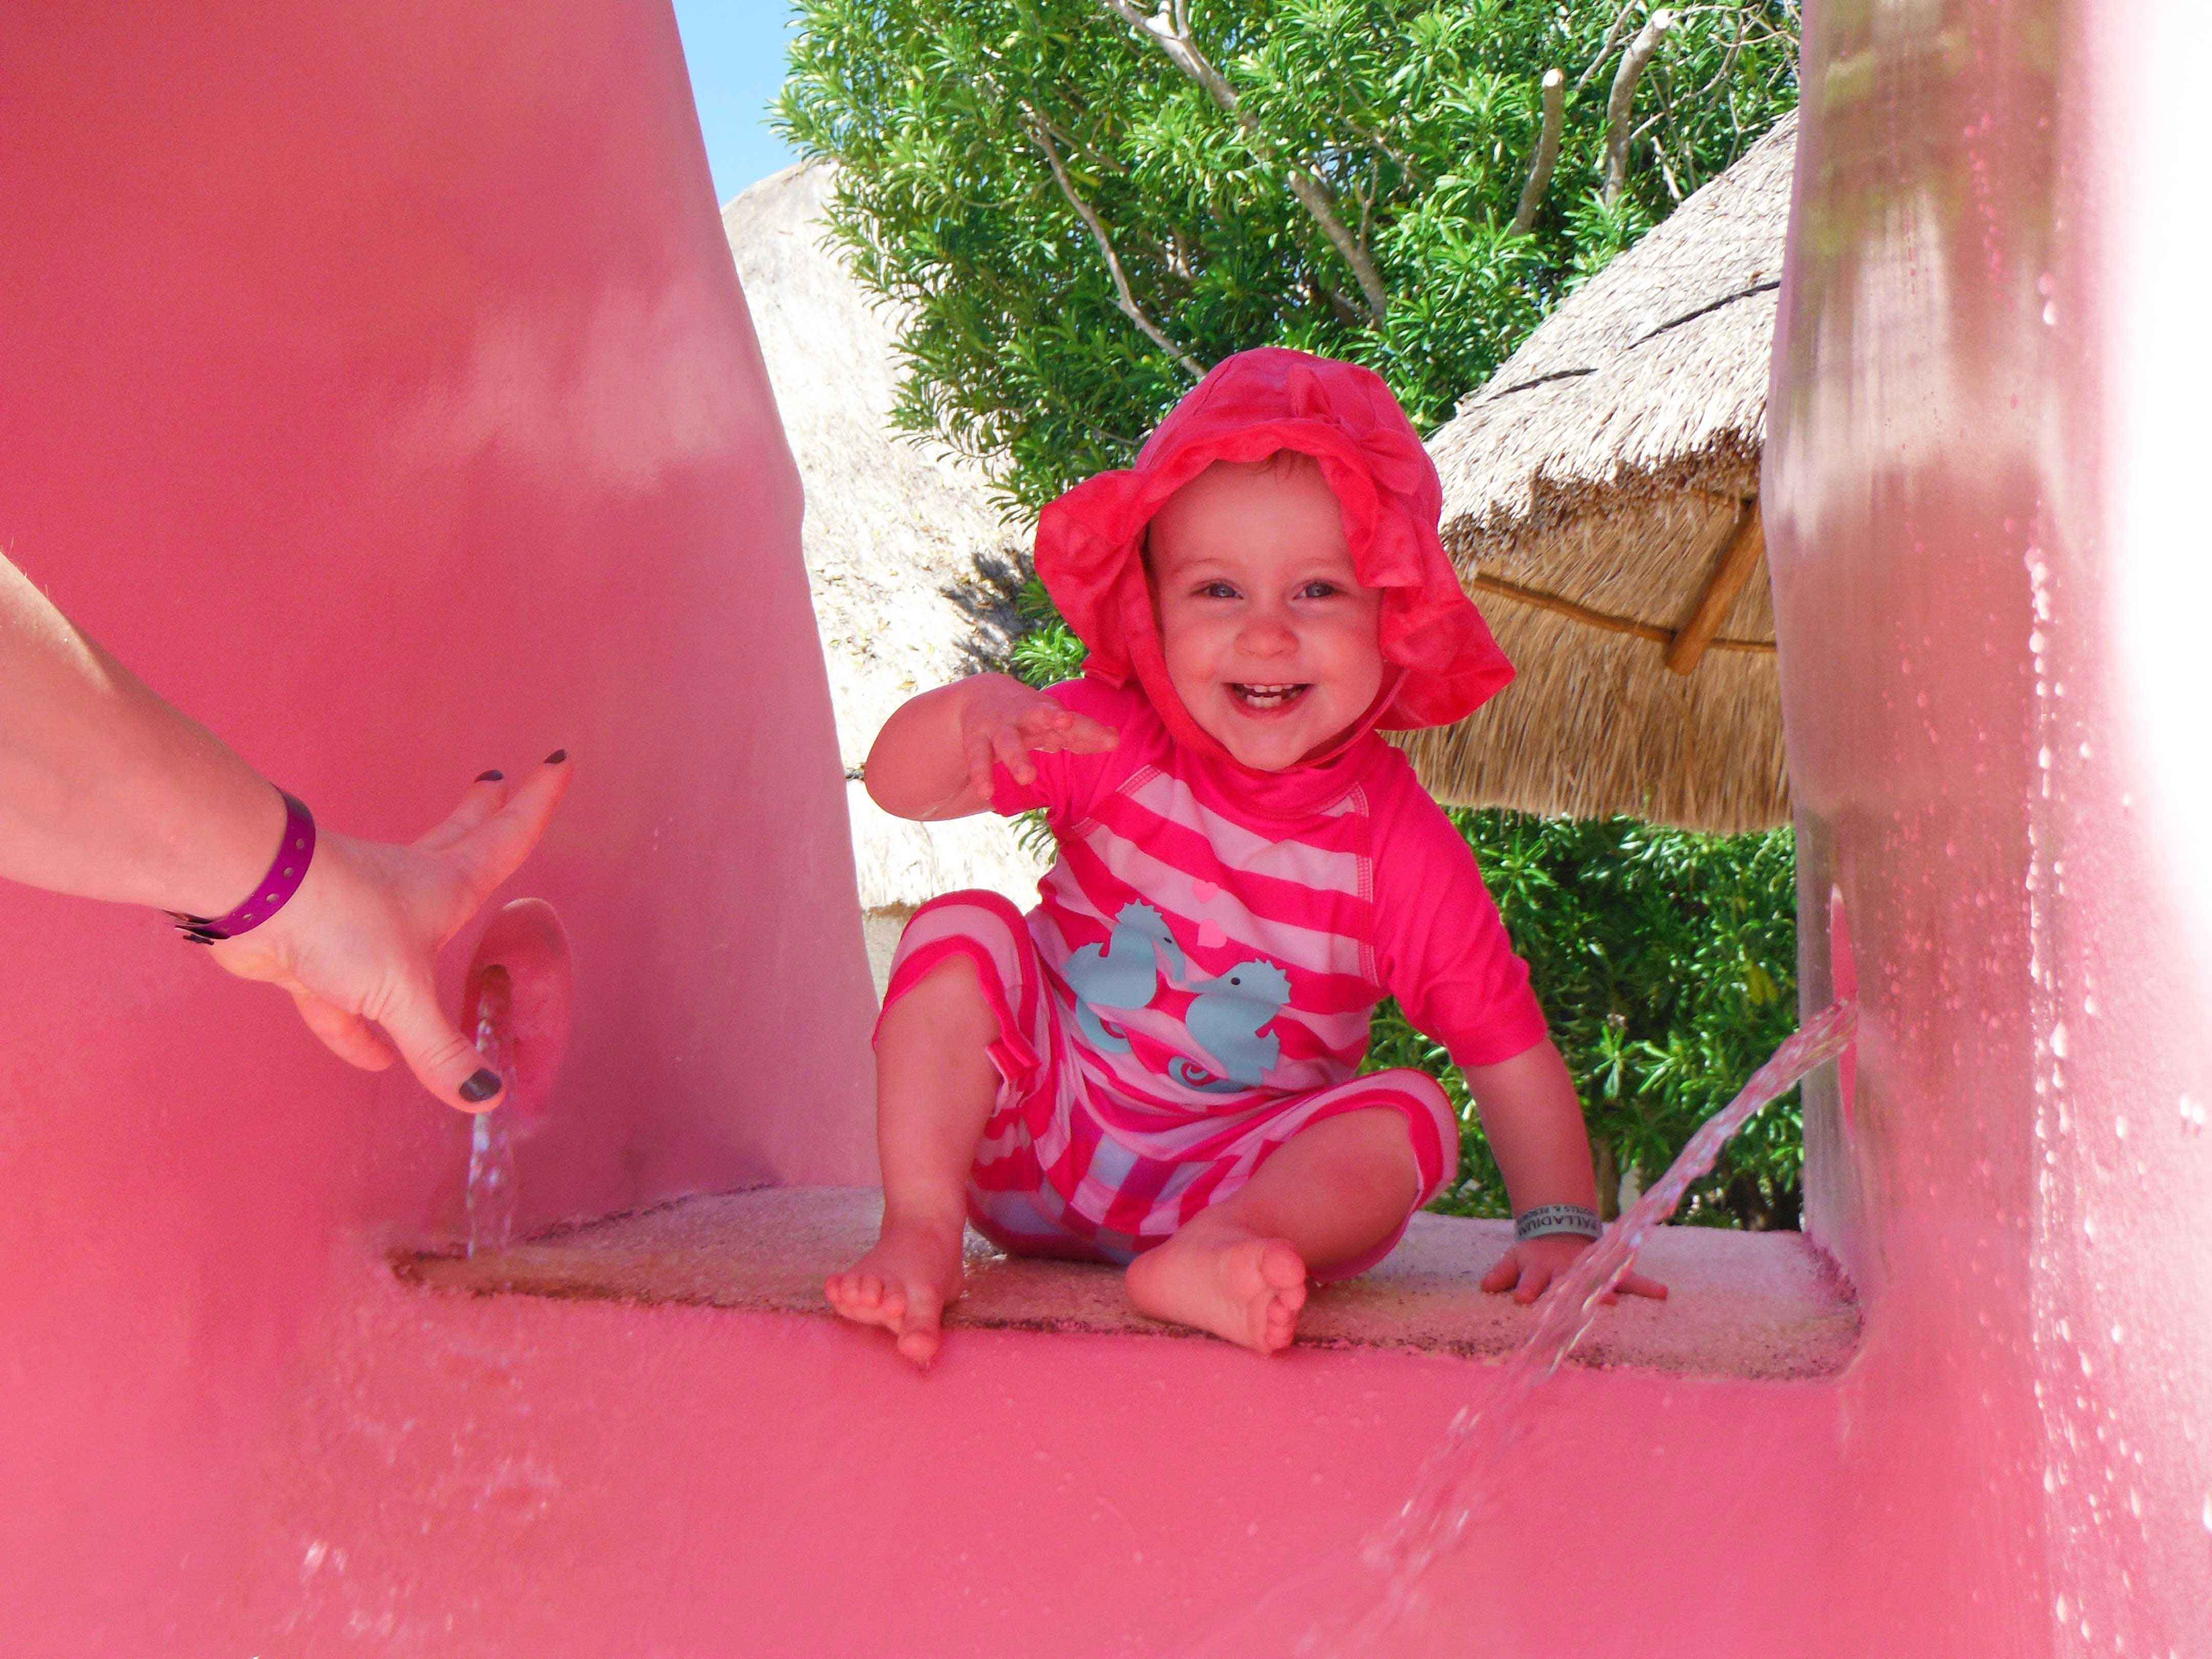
(1746,544)
(1605,622)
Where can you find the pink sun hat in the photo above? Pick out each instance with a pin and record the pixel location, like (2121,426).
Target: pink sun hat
(1089,542)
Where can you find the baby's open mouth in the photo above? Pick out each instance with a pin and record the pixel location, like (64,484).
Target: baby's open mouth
(1269,696)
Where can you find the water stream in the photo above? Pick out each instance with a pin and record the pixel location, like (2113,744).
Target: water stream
(1370,1588)
(491,1146)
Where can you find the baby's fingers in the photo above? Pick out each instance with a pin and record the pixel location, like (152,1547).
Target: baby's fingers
(976,750)
(1013,752)
(1086,735)
(1637,1285)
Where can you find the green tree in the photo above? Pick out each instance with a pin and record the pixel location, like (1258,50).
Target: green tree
(1080,203)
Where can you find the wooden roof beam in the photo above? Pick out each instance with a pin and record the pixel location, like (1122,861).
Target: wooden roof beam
(1746,545)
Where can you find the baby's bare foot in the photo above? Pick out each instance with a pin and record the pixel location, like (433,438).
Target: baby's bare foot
(902,1284)
(1247,1289)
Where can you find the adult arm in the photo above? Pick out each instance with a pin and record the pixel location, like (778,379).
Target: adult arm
(107,792)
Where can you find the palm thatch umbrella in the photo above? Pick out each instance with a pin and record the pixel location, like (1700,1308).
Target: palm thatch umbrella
(1601,503)
(908,564)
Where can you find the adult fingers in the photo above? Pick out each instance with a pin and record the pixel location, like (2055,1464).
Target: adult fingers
(442,1059)
(348,1036)
(496,848)
(484,796)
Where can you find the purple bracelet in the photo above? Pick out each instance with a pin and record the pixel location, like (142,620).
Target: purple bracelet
(286,872)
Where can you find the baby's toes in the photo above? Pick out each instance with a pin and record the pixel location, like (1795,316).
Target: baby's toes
(920,1344)
(1284,1272)
(918,1330)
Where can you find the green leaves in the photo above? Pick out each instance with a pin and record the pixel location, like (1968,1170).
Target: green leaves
(1417,117)
(1667,961)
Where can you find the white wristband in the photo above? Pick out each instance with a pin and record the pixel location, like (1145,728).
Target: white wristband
(1557,1218)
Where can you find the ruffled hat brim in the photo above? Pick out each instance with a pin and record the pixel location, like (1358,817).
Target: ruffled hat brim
(1089,542)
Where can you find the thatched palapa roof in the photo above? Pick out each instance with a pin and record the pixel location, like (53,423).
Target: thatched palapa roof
(893,530)
(1600,500)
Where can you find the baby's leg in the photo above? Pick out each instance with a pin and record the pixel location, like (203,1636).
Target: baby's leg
(935,1084)
(1329,1195)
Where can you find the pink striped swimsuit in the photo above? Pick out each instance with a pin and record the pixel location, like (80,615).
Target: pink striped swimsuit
(1195,985)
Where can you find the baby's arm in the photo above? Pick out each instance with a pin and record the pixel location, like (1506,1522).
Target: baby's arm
(1534,1121)
(933,758)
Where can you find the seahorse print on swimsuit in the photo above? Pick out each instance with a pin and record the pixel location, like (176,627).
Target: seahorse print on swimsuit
(1124,973)
(1226,1020)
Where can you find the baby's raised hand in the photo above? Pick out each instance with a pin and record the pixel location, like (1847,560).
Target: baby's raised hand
(1004,720)
(1533,1263)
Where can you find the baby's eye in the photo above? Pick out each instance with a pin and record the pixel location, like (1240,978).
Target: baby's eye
(1320,590)
(1217,591)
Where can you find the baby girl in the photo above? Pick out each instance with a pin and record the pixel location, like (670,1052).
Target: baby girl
(1158,1066)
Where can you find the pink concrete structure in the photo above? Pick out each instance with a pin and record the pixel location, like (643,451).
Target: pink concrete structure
(376,384)
(1990,592)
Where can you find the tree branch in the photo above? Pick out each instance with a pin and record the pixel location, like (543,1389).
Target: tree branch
(1127,301)
(1547,153)
(1617,106)
(1605,47)
(1169,30)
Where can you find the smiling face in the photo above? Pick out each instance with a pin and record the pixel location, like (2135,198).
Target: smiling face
(1271,641)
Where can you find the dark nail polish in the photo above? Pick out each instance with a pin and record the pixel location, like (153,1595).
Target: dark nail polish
(492,776)
(482,1086)
(556,757)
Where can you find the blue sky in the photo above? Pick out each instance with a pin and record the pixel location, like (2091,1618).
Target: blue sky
(735,51)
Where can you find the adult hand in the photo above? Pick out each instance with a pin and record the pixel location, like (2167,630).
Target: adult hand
(357,944)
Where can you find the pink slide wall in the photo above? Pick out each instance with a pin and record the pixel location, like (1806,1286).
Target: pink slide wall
(375,381)
(1984,528)
(376,384)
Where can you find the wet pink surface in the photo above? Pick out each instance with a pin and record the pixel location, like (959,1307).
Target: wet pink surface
(1985,752)
(379,388)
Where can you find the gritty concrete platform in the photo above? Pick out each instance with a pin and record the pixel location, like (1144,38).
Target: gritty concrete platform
(1754,1305)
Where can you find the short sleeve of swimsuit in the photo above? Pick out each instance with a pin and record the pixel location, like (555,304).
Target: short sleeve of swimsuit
(1440,947)
(1068,785)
